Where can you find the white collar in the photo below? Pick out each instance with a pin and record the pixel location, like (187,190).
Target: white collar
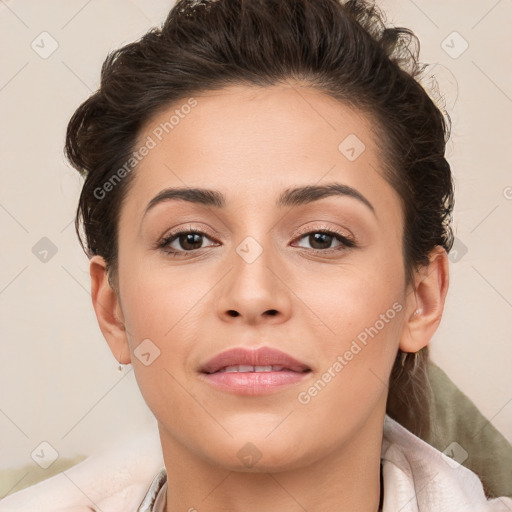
(420,478)
(417,478)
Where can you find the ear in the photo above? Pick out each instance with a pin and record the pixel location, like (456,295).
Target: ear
(108,310)
(425,303)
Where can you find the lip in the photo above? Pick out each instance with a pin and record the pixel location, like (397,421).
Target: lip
(264,356)
(253,382)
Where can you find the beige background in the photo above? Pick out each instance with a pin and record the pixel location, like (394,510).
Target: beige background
(59,382)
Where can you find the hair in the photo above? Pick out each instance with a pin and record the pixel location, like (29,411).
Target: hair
(344,50)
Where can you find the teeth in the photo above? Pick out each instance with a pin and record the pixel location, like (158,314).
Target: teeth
(245,368)
(263,368)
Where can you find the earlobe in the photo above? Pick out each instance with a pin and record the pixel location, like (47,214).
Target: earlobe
(108,311)
(426,306)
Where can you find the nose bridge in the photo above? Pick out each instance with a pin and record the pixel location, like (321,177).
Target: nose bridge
(253,288)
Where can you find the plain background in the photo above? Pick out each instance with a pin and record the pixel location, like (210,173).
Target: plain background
(58,381)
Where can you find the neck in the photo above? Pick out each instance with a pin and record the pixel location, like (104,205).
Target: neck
(346,479)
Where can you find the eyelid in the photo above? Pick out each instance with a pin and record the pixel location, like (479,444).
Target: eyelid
(347,235)
(174,233)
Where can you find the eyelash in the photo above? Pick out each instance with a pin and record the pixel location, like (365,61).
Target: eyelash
(347,243)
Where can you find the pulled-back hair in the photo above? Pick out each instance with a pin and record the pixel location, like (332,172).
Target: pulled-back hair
(344,50)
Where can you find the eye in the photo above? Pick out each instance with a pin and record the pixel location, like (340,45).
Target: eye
(182,241)
(187,240)
(320,240)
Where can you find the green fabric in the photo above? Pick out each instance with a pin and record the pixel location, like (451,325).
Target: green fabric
(455,418)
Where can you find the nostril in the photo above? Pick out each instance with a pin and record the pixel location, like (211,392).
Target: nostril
(231,312)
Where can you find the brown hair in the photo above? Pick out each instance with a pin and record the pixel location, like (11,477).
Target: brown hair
(342,49)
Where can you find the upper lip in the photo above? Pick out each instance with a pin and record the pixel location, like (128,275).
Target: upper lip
(263,356)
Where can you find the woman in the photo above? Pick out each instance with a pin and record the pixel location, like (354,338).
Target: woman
(266,210)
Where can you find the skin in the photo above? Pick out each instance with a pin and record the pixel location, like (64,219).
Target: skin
(250,144)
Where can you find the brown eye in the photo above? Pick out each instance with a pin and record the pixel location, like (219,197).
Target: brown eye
(182,242)
(321,240)
(190,241)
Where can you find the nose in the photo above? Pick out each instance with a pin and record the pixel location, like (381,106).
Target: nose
(256,289)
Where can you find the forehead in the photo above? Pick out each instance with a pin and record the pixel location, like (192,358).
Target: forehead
(257,141)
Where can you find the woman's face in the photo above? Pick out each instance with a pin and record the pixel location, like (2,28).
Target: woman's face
(262,274)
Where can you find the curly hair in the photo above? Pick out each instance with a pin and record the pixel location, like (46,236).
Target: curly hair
(344,50)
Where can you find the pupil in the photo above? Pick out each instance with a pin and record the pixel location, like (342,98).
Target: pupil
(189,240)
(317,238)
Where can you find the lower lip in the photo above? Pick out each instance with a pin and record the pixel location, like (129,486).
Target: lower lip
(253,383)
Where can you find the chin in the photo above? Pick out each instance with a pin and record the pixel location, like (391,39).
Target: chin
(259,454)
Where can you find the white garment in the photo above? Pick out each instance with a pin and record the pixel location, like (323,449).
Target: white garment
(155,499)
(417,478)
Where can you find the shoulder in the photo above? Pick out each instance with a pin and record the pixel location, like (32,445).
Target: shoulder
(416,473)
(115,478)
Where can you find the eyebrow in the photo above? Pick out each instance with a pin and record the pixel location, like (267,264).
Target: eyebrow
(289,197)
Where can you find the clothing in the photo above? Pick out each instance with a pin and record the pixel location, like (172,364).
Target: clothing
(416,478)
(455,416)
(156,497)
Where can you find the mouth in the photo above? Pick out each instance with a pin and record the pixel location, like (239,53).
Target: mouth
(244,360)
(244,368)
(253,372)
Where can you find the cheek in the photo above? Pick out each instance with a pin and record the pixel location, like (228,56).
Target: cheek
(156,301)
(159,317)
(357,359)
(359,315)
(353,296)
